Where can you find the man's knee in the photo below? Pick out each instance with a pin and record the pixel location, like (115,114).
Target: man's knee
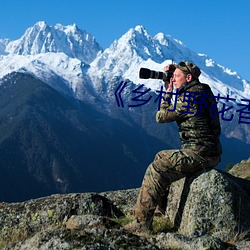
(162,160)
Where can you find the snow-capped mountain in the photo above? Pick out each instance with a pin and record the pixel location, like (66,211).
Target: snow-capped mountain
(41,38)
(75,56)
(57,55)
(64,73)
(137,49)
(71,61)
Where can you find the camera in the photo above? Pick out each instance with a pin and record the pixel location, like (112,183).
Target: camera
(145,73)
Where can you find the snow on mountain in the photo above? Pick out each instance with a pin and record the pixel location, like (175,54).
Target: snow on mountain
(57,55)
(3,43)
(42,38)
(137,49)
(63,73)
(73,56)
(125,55)
(70,61)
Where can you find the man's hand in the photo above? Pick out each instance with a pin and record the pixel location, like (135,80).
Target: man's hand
(168,85)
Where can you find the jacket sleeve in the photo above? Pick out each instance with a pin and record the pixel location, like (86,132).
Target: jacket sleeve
(165,114)
(173,112)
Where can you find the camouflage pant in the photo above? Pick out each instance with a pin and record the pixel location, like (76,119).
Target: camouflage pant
(167,167)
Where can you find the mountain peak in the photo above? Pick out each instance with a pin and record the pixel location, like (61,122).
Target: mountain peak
(134,46)
(42,38)
(140,29)
(41,24)
(167,40)
(69,28)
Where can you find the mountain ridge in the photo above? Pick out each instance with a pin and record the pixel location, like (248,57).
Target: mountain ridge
(135,49)
(42,38)
(95,83)
(55,144)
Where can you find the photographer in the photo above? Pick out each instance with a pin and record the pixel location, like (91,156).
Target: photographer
(199,130)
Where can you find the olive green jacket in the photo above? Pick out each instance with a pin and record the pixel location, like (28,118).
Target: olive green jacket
(196,115)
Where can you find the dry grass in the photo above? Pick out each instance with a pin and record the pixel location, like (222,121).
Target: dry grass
(238,237)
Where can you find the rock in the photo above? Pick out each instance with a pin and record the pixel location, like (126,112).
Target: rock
(85,239)
(209,210)
(243,245)
(20,220)
(90,221)
(212,202)
(241,169)
(124,199)
(178,241)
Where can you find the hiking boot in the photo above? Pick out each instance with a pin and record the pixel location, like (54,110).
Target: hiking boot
(140,227)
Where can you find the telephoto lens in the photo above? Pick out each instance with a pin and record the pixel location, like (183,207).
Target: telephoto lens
(147,73)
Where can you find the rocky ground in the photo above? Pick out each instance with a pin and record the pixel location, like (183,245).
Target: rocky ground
(208,211)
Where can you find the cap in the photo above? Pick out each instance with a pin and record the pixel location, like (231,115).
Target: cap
(189,68)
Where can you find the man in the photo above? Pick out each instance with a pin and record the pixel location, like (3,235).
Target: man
(195,112)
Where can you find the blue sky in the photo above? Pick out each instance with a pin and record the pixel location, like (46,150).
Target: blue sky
(218,28)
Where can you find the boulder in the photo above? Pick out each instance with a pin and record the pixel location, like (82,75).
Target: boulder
(210,202)
(19,221)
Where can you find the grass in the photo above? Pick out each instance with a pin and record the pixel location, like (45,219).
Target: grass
(239,237)
(160,223)
(123,220)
